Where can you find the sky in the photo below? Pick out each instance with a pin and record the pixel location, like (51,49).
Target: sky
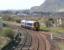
(19,4)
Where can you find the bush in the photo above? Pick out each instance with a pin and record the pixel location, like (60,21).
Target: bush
(18,20)
(8,32)
(4,24)
(7,18)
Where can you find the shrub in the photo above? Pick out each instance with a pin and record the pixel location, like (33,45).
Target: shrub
(8,32)
(18,20)
(4,24)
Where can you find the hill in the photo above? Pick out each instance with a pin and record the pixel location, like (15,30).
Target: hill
(50,6)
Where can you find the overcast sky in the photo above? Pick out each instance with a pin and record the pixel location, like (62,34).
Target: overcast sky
(19,4)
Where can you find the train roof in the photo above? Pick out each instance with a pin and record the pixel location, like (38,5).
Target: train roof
(28,21)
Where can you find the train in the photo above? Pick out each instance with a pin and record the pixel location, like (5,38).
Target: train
(30,24)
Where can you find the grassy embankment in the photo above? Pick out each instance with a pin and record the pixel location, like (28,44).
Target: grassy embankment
(6,34)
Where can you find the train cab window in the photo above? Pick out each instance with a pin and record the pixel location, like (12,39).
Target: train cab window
(36,24)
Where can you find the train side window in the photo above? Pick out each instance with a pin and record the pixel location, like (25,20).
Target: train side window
(30,24)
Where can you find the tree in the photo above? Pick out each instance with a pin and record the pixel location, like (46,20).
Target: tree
(49,22)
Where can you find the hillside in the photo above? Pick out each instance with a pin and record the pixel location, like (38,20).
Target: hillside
(50,6)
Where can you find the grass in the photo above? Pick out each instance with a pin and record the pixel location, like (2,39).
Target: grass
(1,34)
(5,36)
(43,28)
(61,46)
(3,41)
(55,31)
(5,30)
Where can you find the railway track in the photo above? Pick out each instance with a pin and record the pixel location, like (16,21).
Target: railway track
(21,44)
(28,42)
(35,40)
(39,43)
(42,41)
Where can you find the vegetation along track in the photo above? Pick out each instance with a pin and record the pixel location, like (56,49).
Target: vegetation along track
(25,44)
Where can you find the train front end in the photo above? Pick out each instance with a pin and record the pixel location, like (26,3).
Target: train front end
(37,26)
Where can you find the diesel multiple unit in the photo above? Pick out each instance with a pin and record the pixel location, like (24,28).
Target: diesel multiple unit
(30,24)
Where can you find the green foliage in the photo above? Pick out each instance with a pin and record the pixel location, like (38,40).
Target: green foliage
(13,18)
(56,30)
(49,22)
(7,18)
(4,41)
(51,19)
(61,46)
(8,32)
(43,28)
(18,20)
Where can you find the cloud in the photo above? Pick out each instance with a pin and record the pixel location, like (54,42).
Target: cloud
(19,4)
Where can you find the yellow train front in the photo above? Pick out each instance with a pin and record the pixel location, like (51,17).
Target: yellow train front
(30,24)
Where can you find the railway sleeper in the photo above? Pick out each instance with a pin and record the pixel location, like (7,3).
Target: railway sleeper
(29,41)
